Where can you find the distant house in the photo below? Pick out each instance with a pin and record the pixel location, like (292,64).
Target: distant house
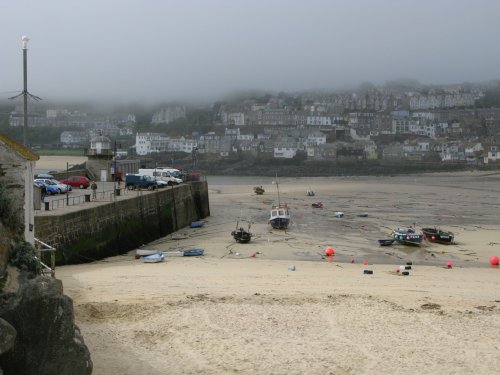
(493,154)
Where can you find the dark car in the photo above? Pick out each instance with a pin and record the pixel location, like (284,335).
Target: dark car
(81,182)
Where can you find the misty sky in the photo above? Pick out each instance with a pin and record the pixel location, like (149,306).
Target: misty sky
(163,50)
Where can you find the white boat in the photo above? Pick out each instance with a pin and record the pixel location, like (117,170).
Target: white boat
(145,252)
(339,214)
(279,215)
(173,253)
(155,258)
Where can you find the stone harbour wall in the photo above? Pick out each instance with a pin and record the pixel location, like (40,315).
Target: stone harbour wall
(117,227)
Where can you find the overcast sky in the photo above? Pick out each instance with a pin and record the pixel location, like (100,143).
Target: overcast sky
(163,50)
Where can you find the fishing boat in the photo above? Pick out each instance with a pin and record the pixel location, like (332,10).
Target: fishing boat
(438,236)
(317,205)
(241,235)
(258,190)
(197,224)
(408,236)
(193,252)
(154,258)
(339,214)
(310,193)
(279,215)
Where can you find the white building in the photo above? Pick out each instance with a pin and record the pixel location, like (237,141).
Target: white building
(147,143)
(181,145)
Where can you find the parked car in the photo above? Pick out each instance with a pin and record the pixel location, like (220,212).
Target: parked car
(51,189)
(61,188)
(65,186)
(137,181)
(81,182)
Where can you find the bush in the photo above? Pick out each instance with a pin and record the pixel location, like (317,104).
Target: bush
(22,256)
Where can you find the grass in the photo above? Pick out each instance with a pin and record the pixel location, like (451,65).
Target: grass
(59,152)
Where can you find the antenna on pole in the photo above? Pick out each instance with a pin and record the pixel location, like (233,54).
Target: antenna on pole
(25,93)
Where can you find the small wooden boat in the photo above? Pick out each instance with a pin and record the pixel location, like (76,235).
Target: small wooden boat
(193,252)
(339,214)
(438,236)
(362,214)
(317,205)
(197,224)
(155,258)
(241,235)
(387,242)
(310,193)
(258,190)
(408,236)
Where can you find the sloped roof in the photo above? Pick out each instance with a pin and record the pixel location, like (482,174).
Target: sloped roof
(20,149)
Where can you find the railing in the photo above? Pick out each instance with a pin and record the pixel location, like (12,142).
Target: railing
(41,249)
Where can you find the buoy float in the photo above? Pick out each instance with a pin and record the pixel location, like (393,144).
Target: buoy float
(434,238)
(494,260)
(365,263)
(449,264)
(353,260)
(329,251)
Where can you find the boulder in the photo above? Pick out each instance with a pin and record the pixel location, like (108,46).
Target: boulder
(48,341)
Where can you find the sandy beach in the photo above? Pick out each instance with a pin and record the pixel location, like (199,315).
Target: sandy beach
(291,310)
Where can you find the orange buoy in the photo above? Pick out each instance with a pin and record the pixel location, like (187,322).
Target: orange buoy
(494,260)
(329,251)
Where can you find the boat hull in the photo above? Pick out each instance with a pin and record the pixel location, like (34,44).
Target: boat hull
(408,238)
(193,252)
(279,222)
(155,258)
(241,236)
(438,236)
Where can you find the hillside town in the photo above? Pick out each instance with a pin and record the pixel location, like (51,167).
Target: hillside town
(439,124)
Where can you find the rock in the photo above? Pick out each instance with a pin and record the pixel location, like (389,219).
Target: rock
(48,341)
(7,336)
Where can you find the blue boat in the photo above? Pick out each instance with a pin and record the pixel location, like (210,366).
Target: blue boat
(197,224)
(408,237)
(193,252)
(154,258)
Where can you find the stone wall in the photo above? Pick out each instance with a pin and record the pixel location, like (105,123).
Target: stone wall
(118,227)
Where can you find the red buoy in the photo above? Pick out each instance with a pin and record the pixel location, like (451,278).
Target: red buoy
(494,260)
(434,238)
(449,264)
(329,251)
(365,262)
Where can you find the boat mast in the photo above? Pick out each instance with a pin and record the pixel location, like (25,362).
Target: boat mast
(277,189)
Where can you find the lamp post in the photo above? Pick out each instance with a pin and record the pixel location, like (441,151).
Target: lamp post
(25,92)
(25,41)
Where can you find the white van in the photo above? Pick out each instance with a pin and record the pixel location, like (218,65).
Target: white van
(161,175)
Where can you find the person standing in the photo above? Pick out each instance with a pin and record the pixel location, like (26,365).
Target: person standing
(93,186)
(43,191)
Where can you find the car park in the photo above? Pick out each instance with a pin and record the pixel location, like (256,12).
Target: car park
(81,182)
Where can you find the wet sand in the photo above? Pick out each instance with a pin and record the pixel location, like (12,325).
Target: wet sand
(230,312)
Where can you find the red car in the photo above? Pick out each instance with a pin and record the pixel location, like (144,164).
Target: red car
(81,182)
